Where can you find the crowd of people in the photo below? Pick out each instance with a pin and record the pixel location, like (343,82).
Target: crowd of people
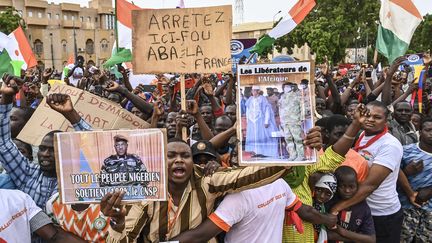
(372,181)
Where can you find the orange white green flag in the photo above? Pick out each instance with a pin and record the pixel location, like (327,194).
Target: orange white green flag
(15,49)
(295,16)
(398,21)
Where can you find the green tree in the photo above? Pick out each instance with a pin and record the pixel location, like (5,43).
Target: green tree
(422,37)
(334,25)
(10,20)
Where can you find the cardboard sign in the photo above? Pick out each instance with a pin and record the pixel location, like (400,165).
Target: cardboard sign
(100,113)
(276,113)
(182,40)
(91,164)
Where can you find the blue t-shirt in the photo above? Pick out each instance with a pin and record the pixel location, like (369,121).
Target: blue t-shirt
(423,179)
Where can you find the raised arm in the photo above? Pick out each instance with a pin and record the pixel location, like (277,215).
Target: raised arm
(386,94)
(137,101)
(192,109)
(17,165)
(62,103)
(125,76)
(222,138)
(342,146)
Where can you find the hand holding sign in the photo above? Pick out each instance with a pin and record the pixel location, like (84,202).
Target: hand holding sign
(111,207)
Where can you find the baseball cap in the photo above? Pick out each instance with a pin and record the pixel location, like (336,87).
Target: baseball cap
(203,147)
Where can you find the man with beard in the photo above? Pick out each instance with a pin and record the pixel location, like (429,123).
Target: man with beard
(400,126)
(260,125)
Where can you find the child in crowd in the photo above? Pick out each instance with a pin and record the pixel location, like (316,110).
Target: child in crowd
(323,191)
(355,224)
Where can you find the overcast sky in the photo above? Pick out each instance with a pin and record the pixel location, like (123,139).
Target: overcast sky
(253,10)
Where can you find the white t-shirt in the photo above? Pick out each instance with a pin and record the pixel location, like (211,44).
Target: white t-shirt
(386,151)
(17,208)
(255,215)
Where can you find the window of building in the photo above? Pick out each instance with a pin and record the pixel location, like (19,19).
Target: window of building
(30,13)
(89,19)
(38,47)
(64,45)
(82,19)
(40,15)
(104,45)
(57,16)
(73,18)
(96,19)
(49,15)
(111,22)
(89,46)
(65,17)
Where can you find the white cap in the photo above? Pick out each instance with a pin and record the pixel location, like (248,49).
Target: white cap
(256,87)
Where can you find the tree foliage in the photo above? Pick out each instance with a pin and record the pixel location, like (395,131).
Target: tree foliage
(422,37)
(334,25)
(10,20)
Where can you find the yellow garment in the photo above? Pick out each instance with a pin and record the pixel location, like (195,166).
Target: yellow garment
(328,161)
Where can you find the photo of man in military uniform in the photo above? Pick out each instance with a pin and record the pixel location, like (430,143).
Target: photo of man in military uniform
(292,115)
(122,163)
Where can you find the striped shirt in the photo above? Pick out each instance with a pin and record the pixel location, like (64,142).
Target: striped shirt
(328,161)
(27,176)
(154,221)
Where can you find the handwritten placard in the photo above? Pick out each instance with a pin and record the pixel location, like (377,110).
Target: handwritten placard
(182,40)
(100,113)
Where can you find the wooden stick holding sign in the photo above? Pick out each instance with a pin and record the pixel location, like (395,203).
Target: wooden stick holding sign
(183,103)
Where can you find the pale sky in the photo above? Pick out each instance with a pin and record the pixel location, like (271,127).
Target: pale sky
(253,10)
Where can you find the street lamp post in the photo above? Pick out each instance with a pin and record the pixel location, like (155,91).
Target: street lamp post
(272,27)
(52,51)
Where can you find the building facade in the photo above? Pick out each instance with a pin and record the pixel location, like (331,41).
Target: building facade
(52,28)
(257,29)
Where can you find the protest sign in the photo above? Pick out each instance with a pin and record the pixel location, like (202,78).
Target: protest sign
(182,40)
(91,164)
(276,113)
(240,52)
(100,113)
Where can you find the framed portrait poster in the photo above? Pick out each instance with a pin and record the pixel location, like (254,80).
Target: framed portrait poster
(91,164)
(275,111)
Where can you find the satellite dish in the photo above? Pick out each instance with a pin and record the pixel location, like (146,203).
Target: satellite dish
(283,58)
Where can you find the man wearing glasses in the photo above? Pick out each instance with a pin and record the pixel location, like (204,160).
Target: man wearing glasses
(117,169)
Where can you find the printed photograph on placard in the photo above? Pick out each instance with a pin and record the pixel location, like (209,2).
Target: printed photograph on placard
(91,164)
(276,104)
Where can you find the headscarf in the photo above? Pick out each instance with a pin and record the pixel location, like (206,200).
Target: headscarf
(328,181)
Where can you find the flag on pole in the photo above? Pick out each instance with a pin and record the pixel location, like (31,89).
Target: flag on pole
(124,34)
(398,21)
(16,48)
(295,15)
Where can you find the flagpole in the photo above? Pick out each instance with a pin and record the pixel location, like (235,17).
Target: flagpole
(116,27)
(75,45)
